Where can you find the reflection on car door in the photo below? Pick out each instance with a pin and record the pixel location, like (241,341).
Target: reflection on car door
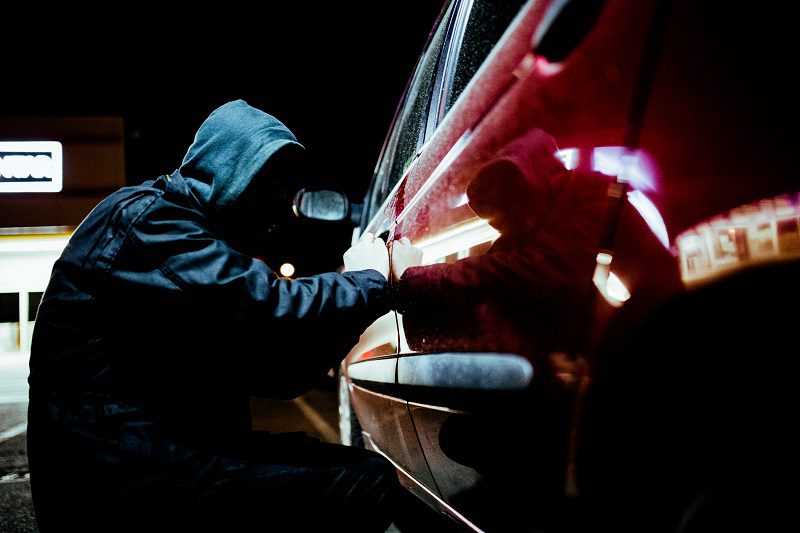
(511,220)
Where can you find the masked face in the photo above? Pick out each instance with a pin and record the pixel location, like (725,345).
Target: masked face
(264,210)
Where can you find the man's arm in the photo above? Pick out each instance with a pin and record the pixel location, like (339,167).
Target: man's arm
(172,249)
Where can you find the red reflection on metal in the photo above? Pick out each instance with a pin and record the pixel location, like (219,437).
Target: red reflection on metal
(762,232)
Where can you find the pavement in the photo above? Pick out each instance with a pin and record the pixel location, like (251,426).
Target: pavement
(16,510)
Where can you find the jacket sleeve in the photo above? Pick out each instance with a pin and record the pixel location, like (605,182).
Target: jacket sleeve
(171,256)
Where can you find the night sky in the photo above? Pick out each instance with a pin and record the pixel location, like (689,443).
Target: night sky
(333,74)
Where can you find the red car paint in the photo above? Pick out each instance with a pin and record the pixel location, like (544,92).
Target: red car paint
(684,110)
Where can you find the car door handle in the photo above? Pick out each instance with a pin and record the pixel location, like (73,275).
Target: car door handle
(466,371)
(466,381)
(462,380)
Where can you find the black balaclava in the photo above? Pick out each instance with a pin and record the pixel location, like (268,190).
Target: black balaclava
(244,167)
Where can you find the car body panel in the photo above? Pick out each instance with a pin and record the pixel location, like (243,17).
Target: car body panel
(668,187)
(427,208)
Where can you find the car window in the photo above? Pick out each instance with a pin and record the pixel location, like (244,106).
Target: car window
(409,129)
(486,21)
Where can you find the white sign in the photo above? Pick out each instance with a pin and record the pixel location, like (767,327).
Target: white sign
(31,166)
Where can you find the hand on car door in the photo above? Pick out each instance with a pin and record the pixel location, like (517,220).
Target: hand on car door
(404,255)
(368,252)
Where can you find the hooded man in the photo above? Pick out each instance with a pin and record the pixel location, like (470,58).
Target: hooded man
(157,326)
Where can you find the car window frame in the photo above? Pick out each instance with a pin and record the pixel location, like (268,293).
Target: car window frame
(437,109)
(454,51)
(446,66)
(381,173)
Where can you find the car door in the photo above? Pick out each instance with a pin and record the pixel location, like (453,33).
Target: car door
(509,204)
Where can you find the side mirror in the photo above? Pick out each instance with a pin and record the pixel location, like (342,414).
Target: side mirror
(325,205)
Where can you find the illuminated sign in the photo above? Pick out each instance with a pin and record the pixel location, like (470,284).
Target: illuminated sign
(31,166)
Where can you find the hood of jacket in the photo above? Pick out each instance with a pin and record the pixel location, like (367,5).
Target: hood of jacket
(516,189)
(231,147)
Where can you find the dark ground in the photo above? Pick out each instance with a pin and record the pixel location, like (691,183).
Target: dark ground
(16,512)
(314,413)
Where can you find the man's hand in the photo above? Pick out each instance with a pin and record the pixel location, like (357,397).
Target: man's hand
(404,255)
(368,252)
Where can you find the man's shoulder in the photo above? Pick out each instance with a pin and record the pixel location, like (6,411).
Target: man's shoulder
(137,206)
(152,200)
(118,209)
(167,210)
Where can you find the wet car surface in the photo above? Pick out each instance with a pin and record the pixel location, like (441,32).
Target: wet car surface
(608,213)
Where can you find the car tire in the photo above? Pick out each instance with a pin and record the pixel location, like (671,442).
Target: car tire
(349,428)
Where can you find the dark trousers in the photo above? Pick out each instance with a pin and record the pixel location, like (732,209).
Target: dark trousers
(138,481)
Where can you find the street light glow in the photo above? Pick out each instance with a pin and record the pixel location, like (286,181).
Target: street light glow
(287,270)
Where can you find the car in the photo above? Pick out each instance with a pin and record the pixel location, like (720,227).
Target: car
(606,197)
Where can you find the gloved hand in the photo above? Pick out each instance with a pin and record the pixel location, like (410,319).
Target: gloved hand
(404,255)
(368,252)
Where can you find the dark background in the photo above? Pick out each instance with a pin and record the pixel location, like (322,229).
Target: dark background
(333,73)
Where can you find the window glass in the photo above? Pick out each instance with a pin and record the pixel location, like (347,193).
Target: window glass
(409,130)
(486,23)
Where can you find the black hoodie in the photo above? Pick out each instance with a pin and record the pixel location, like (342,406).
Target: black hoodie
(150,308)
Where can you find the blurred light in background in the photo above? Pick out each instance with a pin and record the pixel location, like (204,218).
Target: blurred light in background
(635,167)
(33,166)
(651,216)
(608,284)
(568,156)
(455,240)
(287,270)
(27,256)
